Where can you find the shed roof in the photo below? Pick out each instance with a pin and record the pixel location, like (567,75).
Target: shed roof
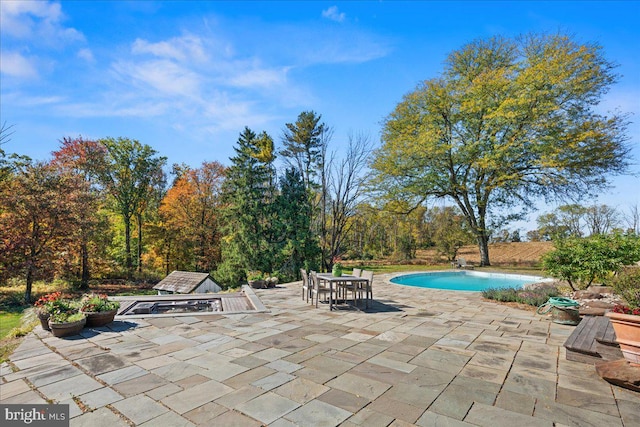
(183,282)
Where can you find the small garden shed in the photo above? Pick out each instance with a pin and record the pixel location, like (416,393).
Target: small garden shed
(187,282)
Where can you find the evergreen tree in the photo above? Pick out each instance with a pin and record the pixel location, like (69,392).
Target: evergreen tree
(248,209)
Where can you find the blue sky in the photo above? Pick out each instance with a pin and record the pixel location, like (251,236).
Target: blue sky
(186,77)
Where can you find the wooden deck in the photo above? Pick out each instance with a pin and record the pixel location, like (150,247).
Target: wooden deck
(593,340)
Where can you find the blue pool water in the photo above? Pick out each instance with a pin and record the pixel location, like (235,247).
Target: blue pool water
(464,280)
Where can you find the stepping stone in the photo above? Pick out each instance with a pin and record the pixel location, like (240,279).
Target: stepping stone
(620,372)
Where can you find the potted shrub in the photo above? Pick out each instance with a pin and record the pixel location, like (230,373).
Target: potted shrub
(98,309)
(626,319)
(45,305)
(255,278)
(65,319)
(337,269)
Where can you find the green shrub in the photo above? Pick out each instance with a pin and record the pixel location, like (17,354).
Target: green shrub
(534,297)
(627,285)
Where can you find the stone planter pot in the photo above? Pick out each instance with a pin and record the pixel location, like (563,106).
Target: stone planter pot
(258,284)
(99,318)
(43,316)
(68,328)
(627,328)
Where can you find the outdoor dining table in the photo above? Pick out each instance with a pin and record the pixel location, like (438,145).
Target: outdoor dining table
(331,279)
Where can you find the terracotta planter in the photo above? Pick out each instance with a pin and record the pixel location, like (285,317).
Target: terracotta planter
(44,320)
(68,328)
(99,318)
(627,328)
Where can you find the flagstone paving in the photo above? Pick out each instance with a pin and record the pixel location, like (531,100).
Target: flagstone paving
(416,357)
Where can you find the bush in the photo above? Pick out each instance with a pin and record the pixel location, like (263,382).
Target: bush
(534,297)
(627,285)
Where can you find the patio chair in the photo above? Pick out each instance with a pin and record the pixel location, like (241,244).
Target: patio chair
(462,263)
(306,285)
(357,272)
(368,286)
(318,287)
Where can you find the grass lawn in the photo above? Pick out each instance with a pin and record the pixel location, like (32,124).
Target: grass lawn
(8,321)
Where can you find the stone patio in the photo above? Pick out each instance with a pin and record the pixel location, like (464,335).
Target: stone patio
(416,357)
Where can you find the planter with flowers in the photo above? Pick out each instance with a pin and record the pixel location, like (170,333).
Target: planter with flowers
(65,319)
(98,310)
(626,319)
(45,305)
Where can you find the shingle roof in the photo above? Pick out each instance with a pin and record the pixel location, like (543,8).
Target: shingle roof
(183,282)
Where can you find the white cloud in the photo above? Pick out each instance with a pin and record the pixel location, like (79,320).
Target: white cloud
(39,21)
(16,65)
(163,76)
(333,14)
(260,77)
(87,55)
(184,48)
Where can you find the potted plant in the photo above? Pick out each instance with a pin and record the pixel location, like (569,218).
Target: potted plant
(255,278)
(98,309)
(45,306)
(337,269)
(626,319)
(65,319)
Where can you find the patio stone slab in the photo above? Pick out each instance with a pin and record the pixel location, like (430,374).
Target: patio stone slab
(273,381)
(301,390)
(235,419)
(168,419)
(319,414)
(54,375)
(26,397)
(193,397)
(347,401)
(124,374)
(396,409)
(268,407)
(491,416)
(102,417)
(205,414)
(139,385)
(70,387)
(360,386)
(13,388)
(570,415)
(239,396)
(140,408)
(101,397)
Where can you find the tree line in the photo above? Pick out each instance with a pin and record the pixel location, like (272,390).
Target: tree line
(508,122)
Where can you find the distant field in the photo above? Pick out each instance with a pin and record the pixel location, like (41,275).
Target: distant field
(516,254)
(508,254)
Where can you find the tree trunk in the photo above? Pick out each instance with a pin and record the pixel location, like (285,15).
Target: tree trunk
(127,246)
(84,275)
(483,245)
(139,218)
(27,292)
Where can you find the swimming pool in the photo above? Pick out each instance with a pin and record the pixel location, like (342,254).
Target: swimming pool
(474,281)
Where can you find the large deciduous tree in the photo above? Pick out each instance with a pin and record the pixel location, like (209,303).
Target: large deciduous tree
(37,220)
(129,174)
(507,122)
(189,211)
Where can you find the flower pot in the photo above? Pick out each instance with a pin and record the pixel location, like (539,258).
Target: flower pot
(43,316)
(99,318)
(627,329)
(68,328)
(258,284)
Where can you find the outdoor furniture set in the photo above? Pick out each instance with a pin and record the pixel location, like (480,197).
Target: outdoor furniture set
(338,288)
